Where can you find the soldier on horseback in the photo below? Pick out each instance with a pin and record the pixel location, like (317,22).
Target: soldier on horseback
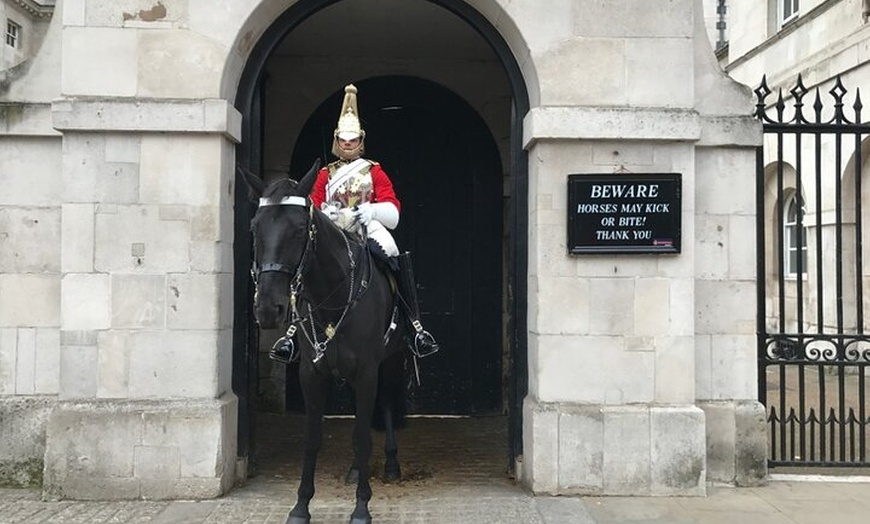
(358,196)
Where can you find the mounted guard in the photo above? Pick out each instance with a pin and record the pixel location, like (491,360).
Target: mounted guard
(358,196)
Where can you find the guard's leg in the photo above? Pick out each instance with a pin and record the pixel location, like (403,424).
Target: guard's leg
(424,343)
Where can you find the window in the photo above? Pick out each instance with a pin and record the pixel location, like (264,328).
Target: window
(13,34)
(788,10)
(795,238)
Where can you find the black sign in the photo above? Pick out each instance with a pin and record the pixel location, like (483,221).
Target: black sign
(624,213)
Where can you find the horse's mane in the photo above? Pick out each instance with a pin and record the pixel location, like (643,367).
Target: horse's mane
(275,191)
(280,188)
(285,186)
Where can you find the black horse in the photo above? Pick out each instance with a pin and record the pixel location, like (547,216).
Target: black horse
(326,285)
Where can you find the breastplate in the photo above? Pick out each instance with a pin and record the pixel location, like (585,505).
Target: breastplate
(357,190)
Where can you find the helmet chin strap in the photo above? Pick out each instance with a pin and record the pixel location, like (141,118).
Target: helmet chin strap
(353,154)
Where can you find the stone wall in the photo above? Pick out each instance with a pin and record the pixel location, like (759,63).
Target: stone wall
(158,449)
(30,282)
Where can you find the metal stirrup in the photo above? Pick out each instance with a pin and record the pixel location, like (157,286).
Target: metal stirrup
(424,342)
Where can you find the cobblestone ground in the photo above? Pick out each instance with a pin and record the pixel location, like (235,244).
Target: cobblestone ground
(454,470)
(460,464)
(25,506)
(465,505)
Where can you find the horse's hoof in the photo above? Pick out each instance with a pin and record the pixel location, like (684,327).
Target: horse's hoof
(352,476)
(361,514)
(302,517)
(392,475)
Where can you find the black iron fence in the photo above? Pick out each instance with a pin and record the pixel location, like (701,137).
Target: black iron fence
(813,349)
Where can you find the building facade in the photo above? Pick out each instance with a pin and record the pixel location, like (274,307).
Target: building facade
(25,23)
(124,350)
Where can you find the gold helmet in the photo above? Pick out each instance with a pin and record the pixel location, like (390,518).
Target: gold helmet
(348,127)
(348,121)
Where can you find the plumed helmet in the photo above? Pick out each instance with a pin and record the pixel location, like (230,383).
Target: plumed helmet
(348,121)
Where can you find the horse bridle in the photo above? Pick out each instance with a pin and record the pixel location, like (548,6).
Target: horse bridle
(280,267)
(296,280)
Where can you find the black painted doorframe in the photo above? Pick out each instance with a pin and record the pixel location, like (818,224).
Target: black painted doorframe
(248,153)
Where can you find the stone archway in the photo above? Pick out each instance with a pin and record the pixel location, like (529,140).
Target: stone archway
(258,151)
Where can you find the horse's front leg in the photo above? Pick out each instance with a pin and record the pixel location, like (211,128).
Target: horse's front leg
(366,389)
(315,391)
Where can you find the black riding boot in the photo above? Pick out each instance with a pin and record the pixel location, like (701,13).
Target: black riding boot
(284,349)
(424,343)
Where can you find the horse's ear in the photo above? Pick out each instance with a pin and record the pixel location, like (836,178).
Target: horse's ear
(307,181)
(255,184)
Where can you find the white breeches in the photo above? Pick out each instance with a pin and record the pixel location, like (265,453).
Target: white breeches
(375,230)
(383,237)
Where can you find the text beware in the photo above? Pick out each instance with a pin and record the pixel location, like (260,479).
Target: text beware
(624,191)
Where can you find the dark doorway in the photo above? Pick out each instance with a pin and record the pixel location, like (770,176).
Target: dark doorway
(447,172)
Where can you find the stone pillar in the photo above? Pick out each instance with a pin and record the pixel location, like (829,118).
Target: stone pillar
(726,366)
(622,347)
(30,224)
(146,408)
(611,404)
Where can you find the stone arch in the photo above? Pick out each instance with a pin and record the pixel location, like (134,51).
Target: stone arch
(263,29)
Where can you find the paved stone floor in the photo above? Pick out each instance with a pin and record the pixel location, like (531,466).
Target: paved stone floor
(455,472)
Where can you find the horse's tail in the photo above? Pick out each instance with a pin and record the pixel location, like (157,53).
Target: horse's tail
(392,392)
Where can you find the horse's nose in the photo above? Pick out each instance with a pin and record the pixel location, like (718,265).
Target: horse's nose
(268,315)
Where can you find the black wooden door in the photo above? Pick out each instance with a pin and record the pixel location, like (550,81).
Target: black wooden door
(447,173)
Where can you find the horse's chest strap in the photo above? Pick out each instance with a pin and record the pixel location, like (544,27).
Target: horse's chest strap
(330,329)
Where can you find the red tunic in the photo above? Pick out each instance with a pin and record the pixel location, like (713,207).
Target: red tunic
(382,187)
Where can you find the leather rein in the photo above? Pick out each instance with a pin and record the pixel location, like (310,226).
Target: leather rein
(296,288)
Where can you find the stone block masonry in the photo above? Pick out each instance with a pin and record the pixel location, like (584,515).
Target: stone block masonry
(166,449)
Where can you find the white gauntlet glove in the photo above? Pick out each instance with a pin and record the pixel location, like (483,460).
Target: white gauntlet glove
(343,217)
(364,213)
(330,210)
(384,212)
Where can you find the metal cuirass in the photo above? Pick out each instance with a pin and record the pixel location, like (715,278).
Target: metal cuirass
(356,190)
